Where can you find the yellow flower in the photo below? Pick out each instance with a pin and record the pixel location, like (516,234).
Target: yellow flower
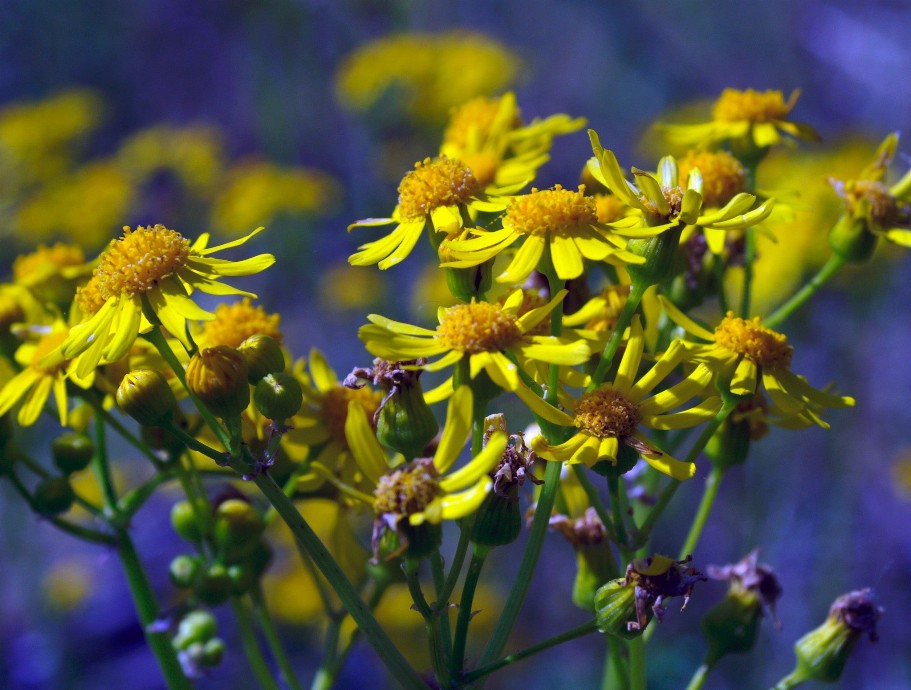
(747,119)
(483,333)
(613,413)
(886,209)
(193,154)
(234,323)
(561,221)
(439,192)
(747,353)
(35,383)
(150,270)
(488,135)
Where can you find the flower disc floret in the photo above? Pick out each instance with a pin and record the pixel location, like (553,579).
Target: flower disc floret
(434,184)
(674,198)
(477,327)
(559,211)
(763,346)
(607,413)
(755,106)
(723,176)
(883,206)
(234,323)
(408,490)
(134,264)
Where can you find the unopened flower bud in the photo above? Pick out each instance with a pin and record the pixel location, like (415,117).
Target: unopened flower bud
(498,521)
(823,653)
(214,586)
(72,452)
(145,395)
(851,239)
(238,525)
(278,396)
(53,496)
(615,610)
(469,283)
(592,567)
(184,520)
(218,377)
(196,626)
(184,570)
(660,254)
(263,356)
(404,422)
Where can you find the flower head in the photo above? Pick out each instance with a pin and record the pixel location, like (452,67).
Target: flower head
(150,270)
(234,323)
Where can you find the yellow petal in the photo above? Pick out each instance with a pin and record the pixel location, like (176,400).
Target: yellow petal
(455,430)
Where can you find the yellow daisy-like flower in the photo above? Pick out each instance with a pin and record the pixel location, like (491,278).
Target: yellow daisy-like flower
(425,490)
(149,270)
(482,332)
(613,413)
(561,221)
(664,203)
(747,119)
(747,353)
(35,383)
(488,135)
(886,209)
(234,323)
(439,192)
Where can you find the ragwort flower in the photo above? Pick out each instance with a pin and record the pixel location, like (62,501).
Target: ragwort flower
(613,413)
(150,270)
(437,192)
(482,332)
(747,353)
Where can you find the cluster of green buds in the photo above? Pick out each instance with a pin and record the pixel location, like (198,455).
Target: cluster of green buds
(71,452)
(624,607)
(232,533)
(197,643)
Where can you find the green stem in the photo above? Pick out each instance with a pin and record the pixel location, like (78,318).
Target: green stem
(616,674)
(251,646)
(261,612)
(595,501)
(806,292)
(636,649)
(306,537)
(147,611)
(101,468)
(712,482)
(431,622)
(636,291)
(479,553)
(698,679)
(792,680)
(613,488)
(125,433)
(482,671)
(192,442)
(439,581)
(456,569)
(529,563)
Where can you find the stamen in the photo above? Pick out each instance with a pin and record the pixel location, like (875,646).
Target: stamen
(435,184)
(558,211)
(607,413)
(477,327)
(759,344)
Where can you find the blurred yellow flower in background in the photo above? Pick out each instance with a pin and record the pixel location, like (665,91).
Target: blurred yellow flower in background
(193,154)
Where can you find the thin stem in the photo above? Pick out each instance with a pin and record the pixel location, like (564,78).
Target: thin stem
(115,424)
(439,580)
(479,553)
(101,468)
(456,569)
(792,680)
(192,442)
(636,292)
(482,671)
(251,646)
(613,488)
(616,674)
(264,618)
(636,649)
(698,679)
(830,268)
(710,492)
(595,500)
(529,563)
(306,537)
(431,622)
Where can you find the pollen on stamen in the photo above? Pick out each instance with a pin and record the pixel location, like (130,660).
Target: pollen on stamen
(759,344)
(408,490)
(477,327)
(334,408)
(723,175)
(234,323)
(558,211)
(754,106)
(607,413)
(674,198)
(434,184)
(134,264)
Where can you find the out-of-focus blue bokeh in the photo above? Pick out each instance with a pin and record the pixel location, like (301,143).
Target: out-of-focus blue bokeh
(823,504)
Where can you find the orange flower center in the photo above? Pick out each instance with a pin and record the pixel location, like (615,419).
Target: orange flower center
(477,327)
(750,105)
(763,346)
(435,184)
(723,175)
(135,263)
(408,490)
(234,323)
(558,211)
(334,408)
(483,165)
(607,413)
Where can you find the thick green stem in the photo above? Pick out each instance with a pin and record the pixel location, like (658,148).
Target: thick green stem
(479,553)
(616,673)
(698,679)
(261,612)
(636,292)
(636,650)
(712,482)
(482,671)
(529,563)
(251,646)
(792,680)
(306,537)
(806,292)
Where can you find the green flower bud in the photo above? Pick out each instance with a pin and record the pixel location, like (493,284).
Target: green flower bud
(729,445)
(263,356)
(660,253)
(405,422)
(498,521)
(213,652)
(184,522)
(218,377)
(53,496)
(145,395)
(823,653)
(184,571)
(615,610)
(593,563)
(469,283)
(72,452)
(214,586)
(238,526)
(851,239)
(278,396)
(732,625)
(196,627)
(242,578)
